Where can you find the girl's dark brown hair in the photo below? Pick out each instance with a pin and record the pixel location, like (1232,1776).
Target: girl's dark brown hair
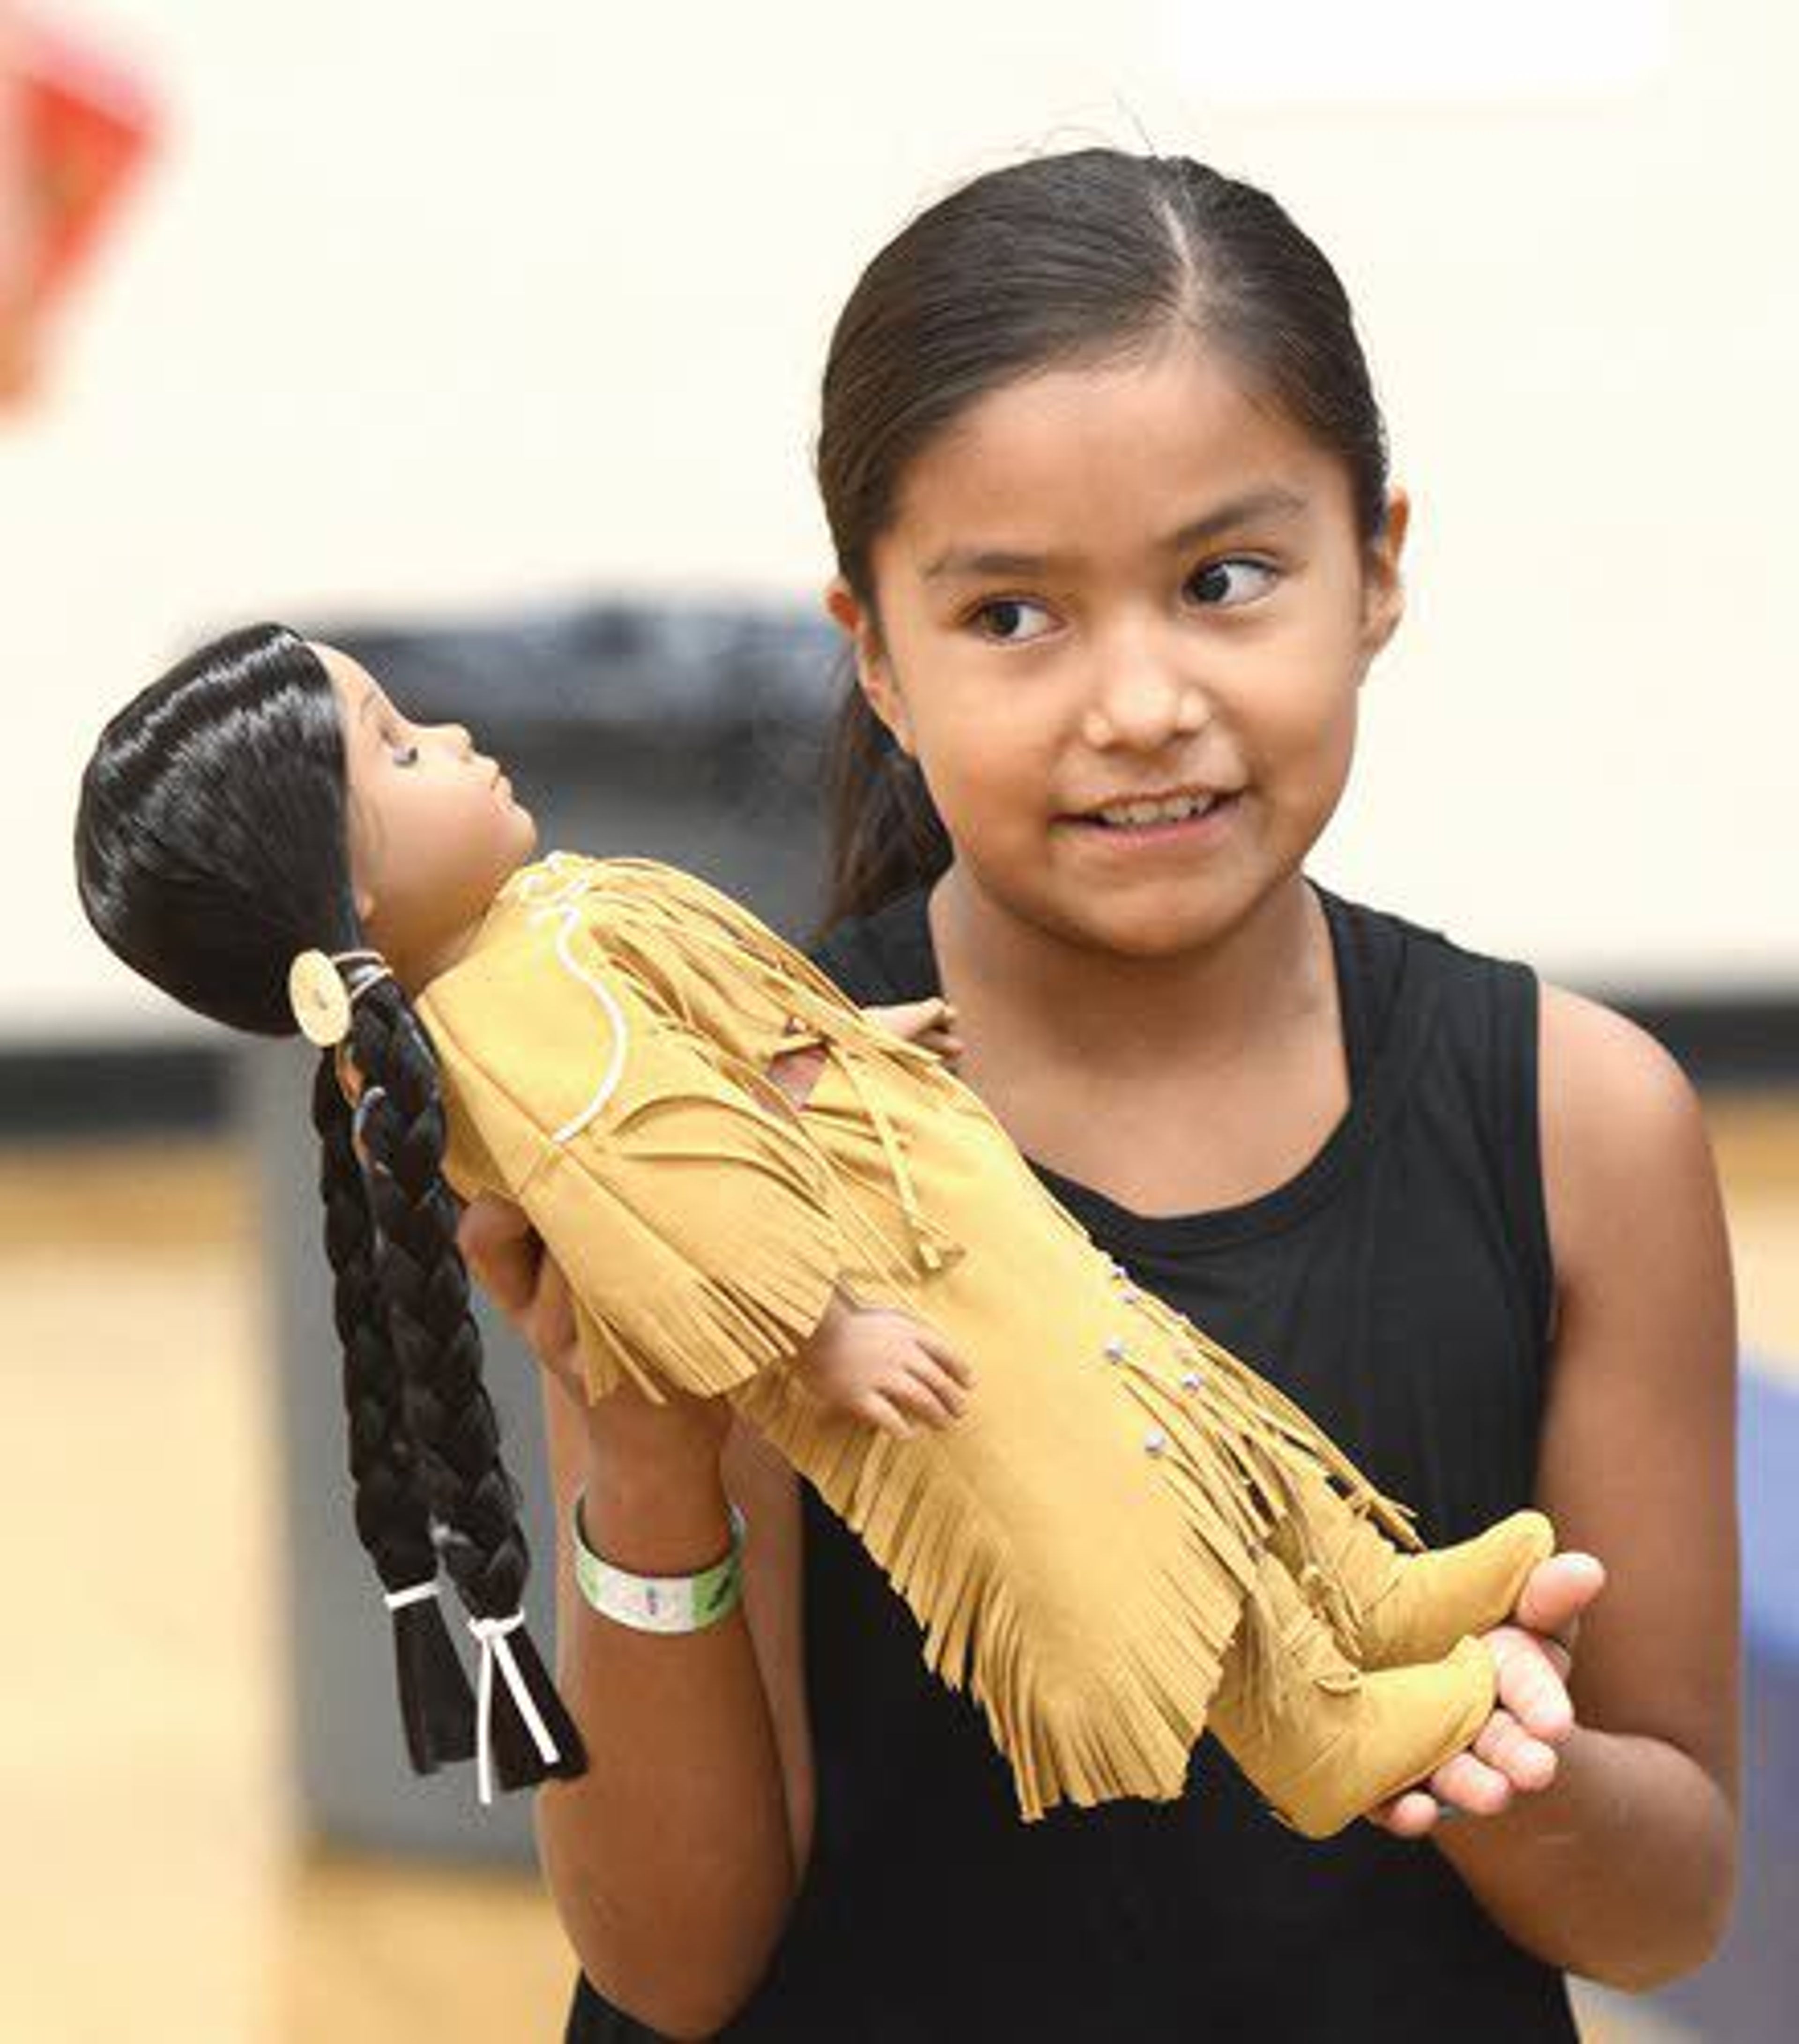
(211,845)
(1089,258)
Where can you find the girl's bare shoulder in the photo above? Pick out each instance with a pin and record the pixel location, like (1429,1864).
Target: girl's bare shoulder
(1636,1461)
(1622,1128)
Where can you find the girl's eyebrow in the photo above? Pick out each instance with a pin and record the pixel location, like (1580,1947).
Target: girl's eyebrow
(1272,500)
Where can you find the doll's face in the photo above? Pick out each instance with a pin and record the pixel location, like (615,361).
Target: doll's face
(434,830)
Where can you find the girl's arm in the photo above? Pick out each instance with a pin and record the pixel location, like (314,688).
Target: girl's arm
(1624,1869)
(674,1859)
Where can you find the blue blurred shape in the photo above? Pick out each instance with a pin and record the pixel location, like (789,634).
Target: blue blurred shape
(1749,1993)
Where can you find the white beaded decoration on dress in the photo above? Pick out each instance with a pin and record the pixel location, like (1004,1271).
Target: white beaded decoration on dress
(1154,1441)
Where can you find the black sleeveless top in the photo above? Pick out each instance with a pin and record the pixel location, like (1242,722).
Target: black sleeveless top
(1399,1287)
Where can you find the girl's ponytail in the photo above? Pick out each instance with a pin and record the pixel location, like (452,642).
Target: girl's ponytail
(885,834)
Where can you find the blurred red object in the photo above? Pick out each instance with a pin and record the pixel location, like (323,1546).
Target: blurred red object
(84,125)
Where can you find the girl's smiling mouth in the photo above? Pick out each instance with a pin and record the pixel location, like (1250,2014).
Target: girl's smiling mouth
(1183,825)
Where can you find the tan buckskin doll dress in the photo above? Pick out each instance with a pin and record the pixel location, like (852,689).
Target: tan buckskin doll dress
(1077,1546)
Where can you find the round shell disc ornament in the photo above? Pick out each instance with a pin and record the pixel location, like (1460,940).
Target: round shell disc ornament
(319,1000)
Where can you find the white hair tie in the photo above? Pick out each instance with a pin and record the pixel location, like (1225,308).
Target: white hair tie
(492,1633)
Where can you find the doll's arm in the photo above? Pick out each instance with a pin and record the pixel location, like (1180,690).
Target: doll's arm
(931,1023)
(877,1364)
(928,1023)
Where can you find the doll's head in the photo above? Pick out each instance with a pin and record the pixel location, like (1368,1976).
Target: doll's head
(266,797)
(434,830)
(260,799)
(212,839)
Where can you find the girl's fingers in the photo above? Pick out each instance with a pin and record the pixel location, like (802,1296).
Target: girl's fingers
(551,1319)
(1413,1814)
(1531,1683)
(503,1250)
(1470,1785)
(507,1257)
(1506,1747)
(1557,1591)
(1503,1762)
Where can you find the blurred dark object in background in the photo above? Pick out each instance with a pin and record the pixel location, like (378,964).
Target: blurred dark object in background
(604,710)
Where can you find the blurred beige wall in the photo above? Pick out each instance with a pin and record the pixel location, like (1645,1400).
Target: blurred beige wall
(432,308)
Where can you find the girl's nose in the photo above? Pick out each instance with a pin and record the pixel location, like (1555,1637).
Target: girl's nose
(1143,705)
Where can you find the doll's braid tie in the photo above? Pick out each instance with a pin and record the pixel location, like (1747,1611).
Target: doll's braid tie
(492,1633)
(319,996)
(413,1593)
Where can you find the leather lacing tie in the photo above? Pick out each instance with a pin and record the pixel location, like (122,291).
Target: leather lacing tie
(936,1250)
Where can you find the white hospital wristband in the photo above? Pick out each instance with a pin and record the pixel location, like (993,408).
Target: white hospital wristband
(659,1604)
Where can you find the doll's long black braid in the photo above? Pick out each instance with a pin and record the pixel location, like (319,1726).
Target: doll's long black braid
(211,845)
(448,1426)
(393,1511)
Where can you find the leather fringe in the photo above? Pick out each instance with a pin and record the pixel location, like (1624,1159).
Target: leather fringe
(1128,1727)
(1125,1729)
(1070,1730)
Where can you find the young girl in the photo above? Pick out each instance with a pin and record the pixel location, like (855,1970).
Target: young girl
(1107,485)
(601,1035)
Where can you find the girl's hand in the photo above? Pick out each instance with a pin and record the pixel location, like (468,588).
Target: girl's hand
(929,1023)
(509,1259)
(877,1364)
(1515,1752)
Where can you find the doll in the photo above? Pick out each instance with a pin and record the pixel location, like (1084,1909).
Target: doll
(1121,1537)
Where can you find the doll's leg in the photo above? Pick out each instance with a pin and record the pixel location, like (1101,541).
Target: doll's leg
(1321,1740)
(1389,1607)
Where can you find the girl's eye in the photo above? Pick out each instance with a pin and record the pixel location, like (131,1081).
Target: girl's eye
(999,604)
(405,756)
(1213,569)
(1211,574)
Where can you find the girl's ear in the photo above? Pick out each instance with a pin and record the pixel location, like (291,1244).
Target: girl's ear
(1383,598)
(872,671)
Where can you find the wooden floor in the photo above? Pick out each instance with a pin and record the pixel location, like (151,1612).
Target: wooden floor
(151,1887)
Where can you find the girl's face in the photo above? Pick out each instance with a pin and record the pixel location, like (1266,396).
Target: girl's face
(434,831)
(1108,584)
